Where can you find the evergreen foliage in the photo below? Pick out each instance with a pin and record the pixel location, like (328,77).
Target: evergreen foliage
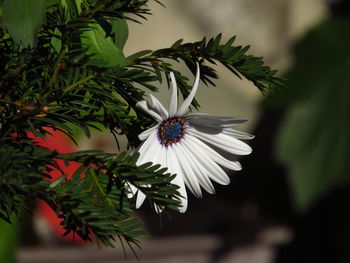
(66,70)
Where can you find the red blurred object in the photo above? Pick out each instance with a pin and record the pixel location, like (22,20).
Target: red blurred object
(60,142)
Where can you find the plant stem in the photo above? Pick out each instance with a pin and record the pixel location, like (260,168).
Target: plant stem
(57,67)
(100,189)
(76,84)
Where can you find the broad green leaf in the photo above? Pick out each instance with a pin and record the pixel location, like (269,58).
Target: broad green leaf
(103,50)
(69,4)
(121,32)
(51,2)
(314,141)
(315,144)
(23,18)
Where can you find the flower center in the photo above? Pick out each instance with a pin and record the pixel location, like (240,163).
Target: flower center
(171,131)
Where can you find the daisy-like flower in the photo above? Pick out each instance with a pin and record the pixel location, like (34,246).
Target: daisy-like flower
(190,145)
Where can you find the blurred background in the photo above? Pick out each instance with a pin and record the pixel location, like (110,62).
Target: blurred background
(291,201)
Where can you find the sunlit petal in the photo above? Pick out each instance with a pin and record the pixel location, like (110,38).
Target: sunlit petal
(159,108)
(187,102)
(143,106)
(192,146)
(174,168)
(187,170)
(173,98)
(224,142)
(144,135)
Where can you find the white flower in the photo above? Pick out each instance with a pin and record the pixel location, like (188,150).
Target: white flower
(188,144)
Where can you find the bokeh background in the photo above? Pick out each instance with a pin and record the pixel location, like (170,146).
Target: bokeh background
(290,203)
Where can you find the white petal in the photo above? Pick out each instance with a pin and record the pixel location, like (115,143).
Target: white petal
(149,152)
(215,121)
(216,157)
(216,173)
(173,98)
(163,157)
(158,158)
(159,108)
(211,116)
(132,190)
(147,148)
(186,104)
(157,154)
(145,134)
(189,176)
(140,199)
(158,209)
(143,106)
(174,168)
(199,171)
(238,134)
(223,141)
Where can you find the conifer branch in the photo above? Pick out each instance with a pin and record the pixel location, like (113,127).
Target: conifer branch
(61,85)
(78,83)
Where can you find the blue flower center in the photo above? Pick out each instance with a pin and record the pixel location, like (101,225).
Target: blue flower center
(171,131)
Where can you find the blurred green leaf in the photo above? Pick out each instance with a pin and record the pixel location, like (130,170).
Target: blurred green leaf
(315,144)
(121,32)
(8,241)
(23,18)
(72,4)
(51,2)
(102,49)
(314,140)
